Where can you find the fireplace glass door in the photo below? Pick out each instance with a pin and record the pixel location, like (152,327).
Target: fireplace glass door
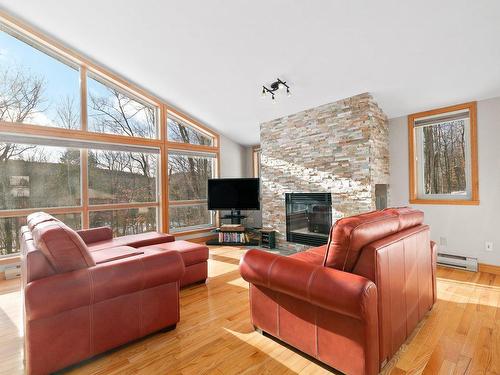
(308,218)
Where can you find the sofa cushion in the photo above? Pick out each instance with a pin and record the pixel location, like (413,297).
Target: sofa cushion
(36,265)
(191,253)
(133,240)
(92,235)
(349,235)
(63,248)
(114,253)
(37,218)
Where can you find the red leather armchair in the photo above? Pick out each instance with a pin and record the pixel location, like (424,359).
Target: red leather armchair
(79,303)
(351,303)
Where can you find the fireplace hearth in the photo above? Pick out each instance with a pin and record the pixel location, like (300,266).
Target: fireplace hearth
(308,218)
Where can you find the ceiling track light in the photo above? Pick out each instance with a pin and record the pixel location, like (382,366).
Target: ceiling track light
(275,86)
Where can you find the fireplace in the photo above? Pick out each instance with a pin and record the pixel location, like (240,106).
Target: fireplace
(308,218)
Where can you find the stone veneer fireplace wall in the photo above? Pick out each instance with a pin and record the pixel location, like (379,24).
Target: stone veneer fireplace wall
(341,147)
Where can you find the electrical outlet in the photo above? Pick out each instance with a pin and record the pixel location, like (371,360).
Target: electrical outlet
(488,246)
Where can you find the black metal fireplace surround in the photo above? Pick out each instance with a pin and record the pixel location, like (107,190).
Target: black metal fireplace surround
(308,217)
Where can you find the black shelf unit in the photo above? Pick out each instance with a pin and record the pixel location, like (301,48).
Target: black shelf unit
(268,238)
(216,242)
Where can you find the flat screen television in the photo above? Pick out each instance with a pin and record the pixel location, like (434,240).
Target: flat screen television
(233,194)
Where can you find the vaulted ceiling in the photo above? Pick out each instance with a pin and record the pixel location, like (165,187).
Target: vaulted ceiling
(210,58)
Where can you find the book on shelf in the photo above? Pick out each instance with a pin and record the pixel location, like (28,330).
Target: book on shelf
(233,237)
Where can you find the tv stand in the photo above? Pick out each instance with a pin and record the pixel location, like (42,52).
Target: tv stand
(235,217)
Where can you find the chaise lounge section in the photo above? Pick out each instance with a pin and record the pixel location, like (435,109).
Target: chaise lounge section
(352,303)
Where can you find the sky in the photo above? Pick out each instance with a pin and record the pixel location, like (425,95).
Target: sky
(60,79)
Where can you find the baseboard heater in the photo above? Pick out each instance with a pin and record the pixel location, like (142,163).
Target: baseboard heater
(457,261)
(12,272)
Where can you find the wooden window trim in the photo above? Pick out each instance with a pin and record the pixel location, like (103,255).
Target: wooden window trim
(88,66)
(474,200)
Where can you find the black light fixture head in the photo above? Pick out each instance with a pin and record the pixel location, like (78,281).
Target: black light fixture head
(275,86)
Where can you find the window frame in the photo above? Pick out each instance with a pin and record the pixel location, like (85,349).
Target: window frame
(88,68)
(414,152)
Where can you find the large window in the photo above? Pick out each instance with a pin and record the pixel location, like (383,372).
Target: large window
(112,111)
(443,154)
(35,87)
(188,173)
(85,146)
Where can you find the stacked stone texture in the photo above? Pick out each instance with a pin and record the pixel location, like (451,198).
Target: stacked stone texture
(341,147)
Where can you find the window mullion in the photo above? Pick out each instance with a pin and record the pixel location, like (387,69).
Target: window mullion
(83,97)
(85,187)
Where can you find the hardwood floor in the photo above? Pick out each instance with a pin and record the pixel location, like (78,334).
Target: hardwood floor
(461,335)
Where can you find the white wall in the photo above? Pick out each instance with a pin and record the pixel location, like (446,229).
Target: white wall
(232,158)
(466,228)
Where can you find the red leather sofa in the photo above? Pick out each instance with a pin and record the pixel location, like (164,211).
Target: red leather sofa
(353,302)
(78,303)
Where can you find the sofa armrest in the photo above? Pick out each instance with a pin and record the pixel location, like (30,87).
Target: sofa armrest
(95,234)
(342,292)
(62,292)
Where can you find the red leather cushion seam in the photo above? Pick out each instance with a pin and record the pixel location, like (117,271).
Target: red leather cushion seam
(309,282)
(91,312)
(268,281)
(276,297)
(365,294)
(50,257)
(143,271)
(354,229)
(404,288)
(328,244)
(77,246)
(316,330)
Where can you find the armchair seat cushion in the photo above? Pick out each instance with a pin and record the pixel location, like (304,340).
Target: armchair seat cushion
(114,253)
(316,255)
(133,240)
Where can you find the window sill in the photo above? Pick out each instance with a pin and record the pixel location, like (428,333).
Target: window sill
(454,202)
(10,260)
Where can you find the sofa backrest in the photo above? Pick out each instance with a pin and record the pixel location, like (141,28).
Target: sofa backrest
(34,264)
(349,235)
(61,245)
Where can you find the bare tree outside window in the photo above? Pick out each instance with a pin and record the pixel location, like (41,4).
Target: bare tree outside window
(178,131)
(111,111)
(444,158)
(188,175)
